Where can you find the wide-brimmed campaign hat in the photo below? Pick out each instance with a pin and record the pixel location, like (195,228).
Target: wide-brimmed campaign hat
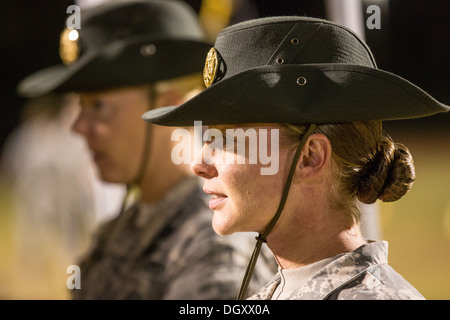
(295,70)
(123,43)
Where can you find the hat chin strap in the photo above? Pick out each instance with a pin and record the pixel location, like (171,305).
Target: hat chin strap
(261,238)
(145,157)
(130,186)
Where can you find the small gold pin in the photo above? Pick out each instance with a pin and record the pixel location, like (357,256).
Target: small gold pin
(211,66)
(69,48)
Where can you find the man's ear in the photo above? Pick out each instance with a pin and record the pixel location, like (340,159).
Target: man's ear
(314,159)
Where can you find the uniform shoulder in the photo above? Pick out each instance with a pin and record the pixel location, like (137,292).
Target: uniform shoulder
(381,283)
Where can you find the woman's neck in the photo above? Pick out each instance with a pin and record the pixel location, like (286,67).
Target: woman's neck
(315,240)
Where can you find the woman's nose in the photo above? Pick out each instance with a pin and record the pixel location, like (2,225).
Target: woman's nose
(81,124)
(202,168)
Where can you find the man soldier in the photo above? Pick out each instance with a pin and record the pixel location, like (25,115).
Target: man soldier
(130,57)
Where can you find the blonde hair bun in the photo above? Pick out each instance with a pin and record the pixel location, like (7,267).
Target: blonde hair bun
(388,175)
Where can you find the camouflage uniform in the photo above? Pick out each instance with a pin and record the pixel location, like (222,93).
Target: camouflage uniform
(170,253)
(363,274)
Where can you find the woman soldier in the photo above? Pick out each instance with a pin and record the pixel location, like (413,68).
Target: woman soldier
(135,56)
(317,84)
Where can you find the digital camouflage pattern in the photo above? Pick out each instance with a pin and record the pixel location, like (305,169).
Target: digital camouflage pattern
(363,274)
(171,253)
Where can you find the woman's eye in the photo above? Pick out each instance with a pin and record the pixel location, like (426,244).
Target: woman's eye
(103,109)
(225,138)
(209,137)
(98,105)
(230,143)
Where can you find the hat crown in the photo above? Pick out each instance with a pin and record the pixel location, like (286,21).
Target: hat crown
(124,20)
(288,40)
(124,43)
(295,70)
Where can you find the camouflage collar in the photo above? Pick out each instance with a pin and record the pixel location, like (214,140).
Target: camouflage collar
(341,271)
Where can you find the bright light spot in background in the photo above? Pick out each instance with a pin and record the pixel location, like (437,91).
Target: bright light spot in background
(73,35)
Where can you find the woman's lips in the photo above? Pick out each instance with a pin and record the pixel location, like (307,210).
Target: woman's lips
(215,203)
(217,200)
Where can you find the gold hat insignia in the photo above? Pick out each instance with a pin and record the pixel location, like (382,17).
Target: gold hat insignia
(211,66)
(69,48)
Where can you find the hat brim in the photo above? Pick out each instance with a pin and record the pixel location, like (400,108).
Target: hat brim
(119,64)
(325,93)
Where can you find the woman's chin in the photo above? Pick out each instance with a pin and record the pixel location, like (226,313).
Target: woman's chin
(221,227)
(222,231)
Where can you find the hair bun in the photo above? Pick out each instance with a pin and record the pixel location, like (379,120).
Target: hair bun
(388,175)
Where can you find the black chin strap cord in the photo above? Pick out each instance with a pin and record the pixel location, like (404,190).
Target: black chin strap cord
(261,238)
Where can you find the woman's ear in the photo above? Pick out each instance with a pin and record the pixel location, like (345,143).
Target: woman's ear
(314,159)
